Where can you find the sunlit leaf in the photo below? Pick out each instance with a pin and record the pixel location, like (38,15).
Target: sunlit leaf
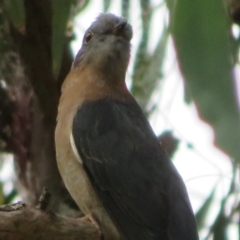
(204,209)
(202,39)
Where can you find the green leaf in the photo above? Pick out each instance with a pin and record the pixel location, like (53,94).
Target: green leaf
(106,5)
(219,228)
(1,194)
(204,209)
(201,34)
(61,13)
(16,13)
(10,197)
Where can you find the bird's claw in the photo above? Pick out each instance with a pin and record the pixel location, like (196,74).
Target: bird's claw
(92,219)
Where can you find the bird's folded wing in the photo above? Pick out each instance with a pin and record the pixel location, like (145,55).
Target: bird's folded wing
(129,171)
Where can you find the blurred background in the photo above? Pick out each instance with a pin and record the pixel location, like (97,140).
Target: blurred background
(184,72)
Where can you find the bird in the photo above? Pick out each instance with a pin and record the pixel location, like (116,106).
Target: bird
(108,154)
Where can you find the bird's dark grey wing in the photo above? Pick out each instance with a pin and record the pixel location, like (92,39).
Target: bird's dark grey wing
(134,179)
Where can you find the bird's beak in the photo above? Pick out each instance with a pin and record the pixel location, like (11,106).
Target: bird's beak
(120,26)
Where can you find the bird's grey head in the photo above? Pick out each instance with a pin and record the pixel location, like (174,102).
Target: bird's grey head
(106,45)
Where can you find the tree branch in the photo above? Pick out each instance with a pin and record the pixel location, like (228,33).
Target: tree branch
(21,221)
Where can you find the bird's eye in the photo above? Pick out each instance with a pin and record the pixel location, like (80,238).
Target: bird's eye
(88,37)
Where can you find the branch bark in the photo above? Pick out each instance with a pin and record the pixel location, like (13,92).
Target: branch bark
(21,221)
(28,123)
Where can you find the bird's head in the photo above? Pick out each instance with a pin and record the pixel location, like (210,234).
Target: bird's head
(106,46)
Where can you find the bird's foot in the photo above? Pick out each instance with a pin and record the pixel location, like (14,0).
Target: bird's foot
(93,219)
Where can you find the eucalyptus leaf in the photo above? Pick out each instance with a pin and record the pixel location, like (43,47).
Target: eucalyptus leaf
(61,13)
(201,34)
(16,13)
(204,210)
(219,228)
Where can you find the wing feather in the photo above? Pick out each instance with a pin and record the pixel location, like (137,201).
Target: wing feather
(136,182)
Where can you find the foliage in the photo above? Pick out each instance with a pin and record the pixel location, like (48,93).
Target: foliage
(35,56)
(203,43)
